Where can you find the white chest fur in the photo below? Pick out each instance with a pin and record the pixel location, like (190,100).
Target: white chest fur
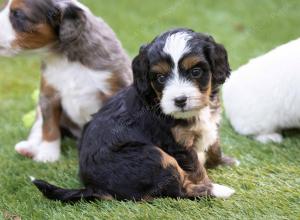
(208,128)
(202,134)
(79,87)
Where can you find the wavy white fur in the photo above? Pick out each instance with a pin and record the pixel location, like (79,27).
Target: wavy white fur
(262,98)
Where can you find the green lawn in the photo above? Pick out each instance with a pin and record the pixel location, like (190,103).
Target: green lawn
(268,181)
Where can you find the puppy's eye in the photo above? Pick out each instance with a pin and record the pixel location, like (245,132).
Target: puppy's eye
(161,79)
(18,14)
(196,72)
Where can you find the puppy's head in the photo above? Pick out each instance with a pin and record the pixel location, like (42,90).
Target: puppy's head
(34,24)
(180,70)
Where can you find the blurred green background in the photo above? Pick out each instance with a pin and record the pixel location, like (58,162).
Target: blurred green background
(266,183)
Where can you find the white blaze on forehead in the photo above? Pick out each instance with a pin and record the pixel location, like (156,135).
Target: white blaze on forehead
(176,45)
(7,33)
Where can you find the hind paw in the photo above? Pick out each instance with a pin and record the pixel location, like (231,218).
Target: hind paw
(220,191)
(230,161)
(266,138)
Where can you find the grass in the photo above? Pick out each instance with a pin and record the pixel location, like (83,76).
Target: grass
(267,182)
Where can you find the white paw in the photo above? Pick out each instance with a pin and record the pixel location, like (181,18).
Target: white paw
(266,138)
(48,152)
(237,163)
(26,148)
(221,191)
(32,178)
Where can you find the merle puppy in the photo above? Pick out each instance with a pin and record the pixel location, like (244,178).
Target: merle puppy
(83,65)
(144,143)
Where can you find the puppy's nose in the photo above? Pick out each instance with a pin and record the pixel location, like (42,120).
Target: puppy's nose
(180,101)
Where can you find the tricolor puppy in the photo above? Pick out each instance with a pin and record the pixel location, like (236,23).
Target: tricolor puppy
(262,98)
(83,65)
(144,143)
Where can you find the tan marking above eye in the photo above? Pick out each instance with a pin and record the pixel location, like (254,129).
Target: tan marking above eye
(161,68)
(16,4)
(190,61)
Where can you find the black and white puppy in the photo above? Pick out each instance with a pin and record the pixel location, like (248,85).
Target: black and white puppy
(144,143)
(84,64)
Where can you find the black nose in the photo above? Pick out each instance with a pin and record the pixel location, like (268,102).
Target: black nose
(180,101)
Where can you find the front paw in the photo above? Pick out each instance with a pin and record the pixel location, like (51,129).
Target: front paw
(267,138)
(48,152)
(229,161)
(26,148)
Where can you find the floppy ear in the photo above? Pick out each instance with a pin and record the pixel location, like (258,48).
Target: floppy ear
(72,24)
(140,68)
(218,59)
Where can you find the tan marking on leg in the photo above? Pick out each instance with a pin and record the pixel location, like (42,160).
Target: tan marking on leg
(51,111)
(190,184)
(198,190)
(168,161)
(215,157)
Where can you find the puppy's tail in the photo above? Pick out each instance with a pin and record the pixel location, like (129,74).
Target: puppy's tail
(68,195)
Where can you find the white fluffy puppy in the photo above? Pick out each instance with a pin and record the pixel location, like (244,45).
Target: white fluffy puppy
(263,97)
